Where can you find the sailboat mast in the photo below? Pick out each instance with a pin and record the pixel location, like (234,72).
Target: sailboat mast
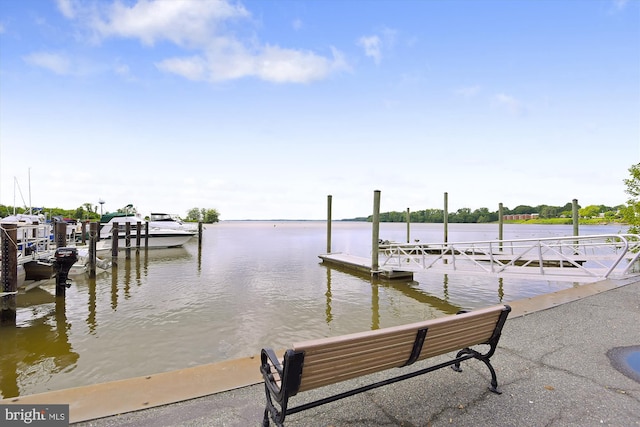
(30,207)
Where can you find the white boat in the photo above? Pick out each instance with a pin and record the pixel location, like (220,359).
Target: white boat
(157,238)
(163,220)
(34,244)
(82,265)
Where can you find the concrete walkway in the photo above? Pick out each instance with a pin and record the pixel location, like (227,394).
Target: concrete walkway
(552,364)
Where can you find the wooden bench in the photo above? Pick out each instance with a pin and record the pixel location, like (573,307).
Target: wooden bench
(327,361)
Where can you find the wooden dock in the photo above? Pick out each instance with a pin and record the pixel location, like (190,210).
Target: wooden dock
(363,266)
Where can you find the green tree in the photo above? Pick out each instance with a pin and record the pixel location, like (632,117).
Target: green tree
(548,211)
(90,208)
(210,216)
(631,213)
(590,211)
(193,215)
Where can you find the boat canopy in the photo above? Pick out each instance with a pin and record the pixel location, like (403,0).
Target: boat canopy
(105,218)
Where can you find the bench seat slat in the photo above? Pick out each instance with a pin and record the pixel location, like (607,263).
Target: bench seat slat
(382,341)
(465,318)
(329,360)
(319,373)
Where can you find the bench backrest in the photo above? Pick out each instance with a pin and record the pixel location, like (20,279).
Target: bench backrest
(335,359)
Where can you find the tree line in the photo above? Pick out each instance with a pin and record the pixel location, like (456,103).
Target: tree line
(484,215)
(89,212)
(628,214)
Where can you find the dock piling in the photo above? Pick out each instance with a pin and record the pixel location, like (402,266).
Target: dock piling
(114,244)
(8,244)
(375,233)
(500,224)
(329,197)
(408,225)
(93,237)
(127,240)
(576,217)
(60,233)
(446,217)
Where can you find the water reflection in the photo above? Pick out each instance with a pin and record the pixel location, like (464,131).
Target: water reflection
(36,350)
(445,287)
(409,289)
(91,314)
(327,294)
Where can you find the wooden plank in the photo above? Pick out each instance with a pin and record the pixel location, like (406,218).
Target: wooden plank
(363,265)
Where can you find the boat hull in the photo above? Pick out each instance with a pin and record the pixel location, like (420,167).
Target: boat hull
(164,239)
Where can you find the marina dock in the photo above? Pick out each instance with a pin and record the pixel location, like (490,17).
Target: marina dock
(363,266)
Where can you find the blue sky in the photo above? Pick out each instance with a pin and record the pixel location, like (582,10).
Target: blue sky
(260,109)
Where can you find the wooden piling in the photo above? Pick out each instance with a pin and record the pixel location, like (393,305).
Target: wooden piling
(500,224)
(8,245)
(329,199)
(375,232)
(60,234)
(127,240)
(445,220)
(93,238)
(114,243)
(146,235)
(138,236)
(576,217)
(83,230)
(408,226)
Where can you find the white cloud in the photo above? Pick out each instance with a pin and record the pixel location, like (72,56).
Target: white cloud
(372,47)
(67,8)
(204,28)
(272,64)
(1,28)
(297,24)
(58,63)
(187,22)
(192,68)
(286,65)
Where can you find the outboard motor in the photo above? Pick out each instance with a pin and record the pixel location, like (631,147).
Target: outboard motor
(63,259)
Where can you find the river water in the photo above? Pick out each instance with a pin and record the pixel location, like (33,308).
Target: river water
(247,285)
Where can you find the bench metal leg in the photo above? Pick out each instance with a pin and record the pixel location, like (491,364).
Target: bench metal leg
(483,358)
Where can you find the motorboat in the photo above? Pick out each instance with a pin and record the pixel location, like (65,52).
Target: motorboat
(158,237)
(163,220)
(81,266)
(34,244)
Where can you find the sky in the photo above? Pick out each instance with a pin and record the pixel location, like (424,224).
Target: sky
(262,109)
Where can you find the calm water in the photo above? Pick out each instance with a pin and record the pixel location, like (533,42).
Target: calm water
(249,285)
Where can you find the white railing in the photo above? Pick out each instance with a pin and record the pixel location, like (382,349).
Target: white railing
(33,241)
(593,257)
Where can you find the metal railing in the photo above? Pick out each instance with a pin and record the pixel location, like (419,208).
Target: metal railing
(33,241)
(592,257)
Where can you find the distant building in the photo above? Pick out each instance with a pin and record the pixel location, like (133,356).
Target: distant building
(520,217)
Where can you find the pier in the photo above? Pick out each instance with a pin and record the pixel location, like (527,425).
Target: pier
(363,266)
(574,258)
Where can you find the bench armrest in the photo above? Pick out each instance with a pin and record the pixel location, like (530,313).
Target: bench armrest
(269,359)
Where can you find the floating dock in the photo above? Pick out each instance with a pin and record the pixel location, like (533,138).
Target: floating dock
(363,266)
